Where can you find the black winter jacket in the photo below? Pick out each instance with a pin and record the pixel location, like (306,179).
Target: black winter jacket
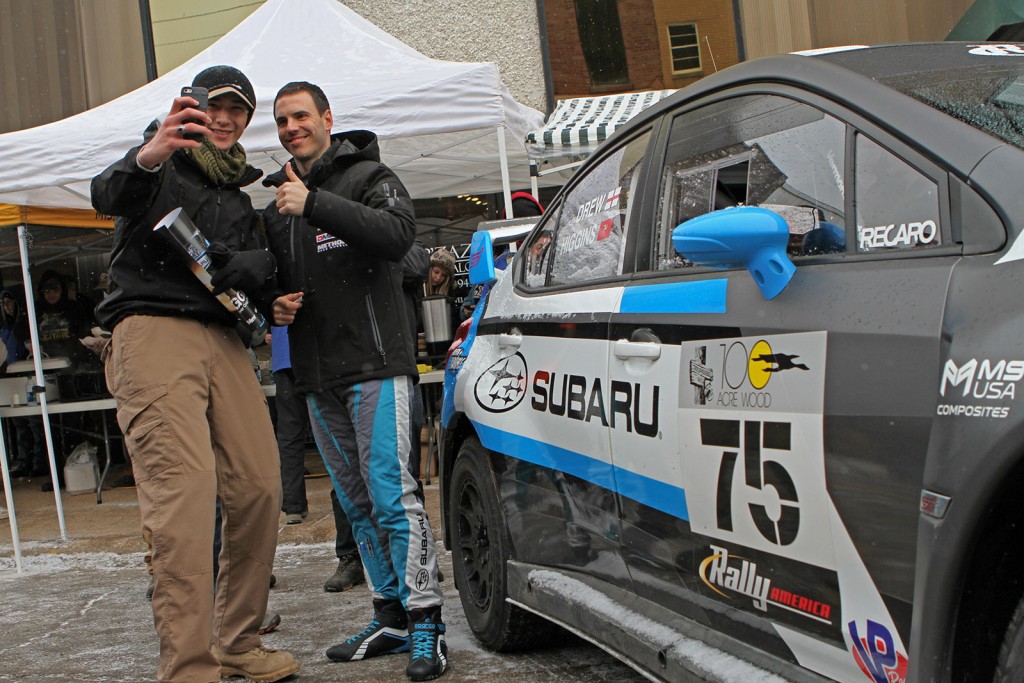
(344,253)
(148,274)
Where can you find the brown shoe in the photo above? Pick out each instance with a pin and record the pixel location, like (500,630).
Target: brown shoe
(258,664)
(348,574)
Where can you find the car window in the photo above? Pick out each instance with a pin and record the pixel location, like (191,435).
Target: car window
(759,150)
(585,241)
(897,206)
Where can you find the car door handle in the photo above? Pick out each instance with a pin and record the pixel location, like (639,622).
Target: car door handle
(625,349)
(510,340)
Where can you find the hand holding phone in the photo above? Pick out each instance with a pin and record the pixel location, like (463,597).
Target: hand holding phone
(200,95)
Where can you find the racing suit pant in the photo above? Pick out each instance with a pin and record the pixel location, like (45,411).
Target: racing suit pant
(363,432)
(196,427)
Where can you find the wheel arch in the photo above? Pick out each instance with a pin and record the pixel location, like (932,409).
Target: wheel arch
(991,580)
(452,437)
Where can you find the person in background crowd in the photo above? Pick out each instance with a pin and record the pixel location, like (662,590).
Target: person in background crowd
(194,418)
(30,458)
(86,303)
(442,273)
(524,204)
(339,227)
(440,280)
(292,419)
(62,324)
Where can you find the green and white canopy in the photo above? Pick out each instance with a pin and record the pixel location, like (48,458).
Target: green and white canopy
(579,125)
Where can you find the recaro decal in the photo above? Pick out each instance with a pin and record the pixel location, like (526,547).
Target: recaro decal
(502,386)
(897,236)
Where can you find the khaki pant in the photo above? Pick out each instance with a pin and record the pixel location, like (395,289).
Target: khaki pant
(196,427)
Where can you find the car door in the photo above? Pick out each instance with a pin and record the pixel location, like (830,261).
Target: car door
(545,330)
(777,499)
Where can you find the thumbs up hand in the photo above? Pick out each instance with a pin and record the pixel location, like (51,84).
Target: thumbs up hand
(291,195)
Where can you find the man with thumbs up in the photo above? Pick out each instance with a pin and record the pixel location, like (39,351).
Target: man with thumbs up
(339,227)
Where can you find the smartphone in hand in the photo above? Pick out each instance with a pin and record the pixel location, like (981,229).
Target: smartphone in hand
(200,95)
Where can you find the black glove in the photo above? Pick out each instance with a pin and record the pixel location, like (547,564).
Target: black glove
(245,270)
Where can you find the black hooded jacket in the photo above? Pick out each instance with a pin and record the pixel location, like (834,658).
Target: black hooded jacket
(61,324)
(148,274)
(344,253)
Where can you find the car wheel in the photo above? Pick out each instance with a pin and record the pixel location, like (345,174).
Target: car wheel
(479,553)
(1010,666)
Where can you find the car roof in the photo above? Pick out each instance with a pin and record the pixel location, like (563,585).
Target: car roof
(817,69)
(852,77)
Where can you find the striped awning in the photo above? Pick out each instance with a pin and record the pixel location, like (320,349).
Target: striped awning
(579,125)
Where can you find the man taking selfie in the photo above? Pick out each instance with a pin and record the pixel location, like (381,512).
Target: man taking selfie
(194,418)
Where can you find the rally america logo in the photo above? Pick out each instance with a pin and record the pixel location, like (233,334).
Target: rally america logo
(503,385)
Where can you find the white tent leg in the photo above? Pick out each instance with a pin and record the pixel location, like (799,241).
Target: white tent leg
(534,190)
(37,358)
(13,518)
(505,183)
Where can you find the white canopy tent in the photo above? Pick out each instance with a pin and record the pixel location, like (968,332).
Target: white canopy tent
(446,128)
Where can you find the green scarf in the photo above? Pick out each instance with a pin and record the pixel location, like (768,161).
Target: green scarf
(223,168)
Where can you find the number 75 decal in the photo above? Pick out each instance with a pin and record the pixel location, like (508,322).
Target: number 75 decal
(758,474)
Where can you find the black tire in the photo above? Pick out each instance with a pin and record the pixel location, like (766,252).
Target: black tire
(1010,666)
(480,550)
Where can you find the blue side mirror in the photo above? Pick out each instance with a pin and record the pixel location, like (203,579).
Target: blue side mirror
(747,236)
(481,259)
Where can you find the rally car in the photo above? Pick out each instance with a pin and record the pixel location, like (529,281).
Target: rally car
(749,386)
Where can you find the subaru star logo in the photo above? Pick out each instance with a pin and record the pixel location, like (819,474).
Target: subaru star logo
(503,385)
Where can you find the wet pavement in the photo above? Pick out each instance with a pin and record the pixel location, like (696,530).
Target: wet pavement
(78,613)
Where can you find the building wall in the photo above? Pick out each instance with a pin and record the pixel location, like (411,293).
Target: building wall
(645,34)
(501,31)
(184,28)
(505,32)
(56,59)
(716,32)
(779,26)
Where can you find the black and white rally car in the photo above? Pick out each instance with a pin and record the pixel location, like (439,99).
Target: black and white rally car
(751,382)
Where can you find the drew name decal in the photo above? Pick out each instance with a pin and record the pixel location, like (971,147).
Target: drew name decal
(570,397)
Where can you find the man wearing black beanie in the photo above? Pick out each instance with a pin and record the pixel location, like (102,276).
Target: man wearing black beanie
(194,418)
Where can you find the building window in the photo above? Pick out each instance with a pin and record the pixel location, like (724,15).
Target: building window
(683,47)
(601,39)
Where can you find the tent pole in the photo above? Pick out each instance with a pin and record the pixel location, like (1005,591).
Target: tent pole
(13,518)
(37,360)
(534,174)
(505,183)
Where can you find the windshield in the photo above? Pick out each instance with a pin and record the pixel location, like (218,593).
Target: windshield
(990,98)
